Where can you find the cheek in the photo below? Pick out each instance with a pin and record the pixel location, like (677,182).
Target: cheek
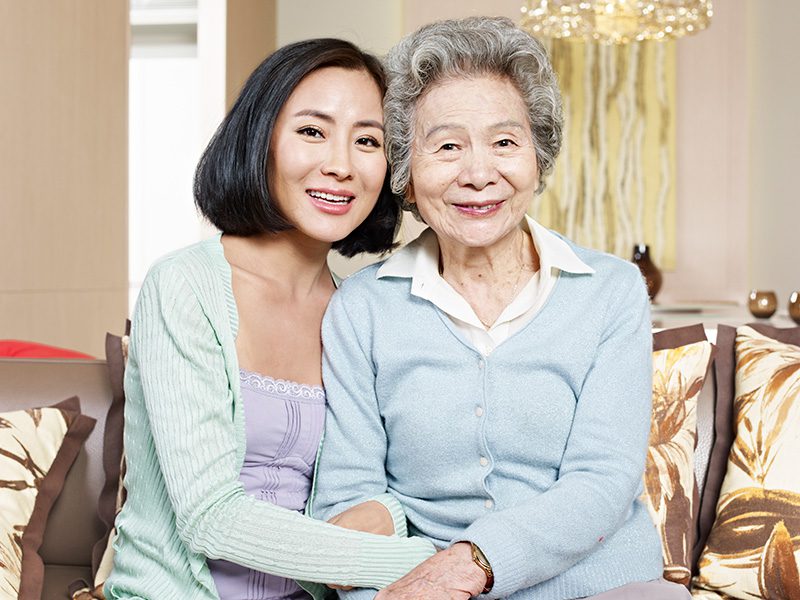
(291,162)
(373,171)
(520,174)
(432,180)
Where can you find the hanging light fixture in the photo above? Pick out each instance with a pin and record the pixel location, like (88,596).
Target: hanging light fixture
(616,21)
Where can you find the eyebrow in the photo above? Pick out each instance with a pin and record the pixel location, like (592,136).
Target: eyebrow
(328,118)
(500,125)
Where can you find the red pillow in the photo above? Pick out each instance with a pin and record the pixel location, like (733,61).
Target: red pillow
(20,349)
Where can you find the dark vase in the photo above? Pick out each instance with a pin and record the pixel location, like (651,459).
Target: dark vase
(650,272)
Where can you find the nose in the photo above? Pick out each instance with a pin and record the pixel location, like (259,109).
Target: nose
(338,162)
(478,169)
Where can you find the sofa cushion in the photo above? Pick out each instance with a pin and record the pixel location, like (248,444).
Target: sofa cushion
(37,448)
(680,363)
(750,551)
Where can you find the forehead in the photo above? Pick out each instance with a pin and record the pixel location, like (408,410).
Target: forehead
(336,87)
(471,101)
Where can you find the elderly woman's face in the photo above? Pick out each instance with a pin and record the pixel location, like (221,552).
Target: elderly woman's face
(473,166)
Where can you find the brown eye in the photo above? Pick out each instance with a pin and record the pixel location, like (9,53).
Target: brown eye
(368,141)
(310,132)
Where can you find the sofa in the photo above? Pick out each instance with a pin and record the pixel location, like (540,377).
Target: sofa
(75,527)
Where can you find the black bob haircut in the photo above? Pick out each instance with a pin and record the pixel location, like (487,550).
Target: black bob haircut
(230,184)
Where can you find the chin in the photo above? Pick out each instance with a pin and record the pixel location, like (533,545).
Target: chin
(329,235)
(479,239)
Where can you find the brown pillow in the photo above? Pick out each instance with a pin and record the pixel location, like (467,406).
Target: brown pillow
(724,429)
(37,449)
(753,546)
(113,494)
(680,363)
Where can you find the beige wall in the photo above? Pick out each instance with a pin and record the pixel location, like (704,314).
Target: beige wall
(774,149)
(712,162)
(63,168)
(374,26)
(418,12)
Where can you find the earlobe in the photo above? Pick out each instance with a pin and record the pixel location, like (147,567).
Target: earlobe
(409,198)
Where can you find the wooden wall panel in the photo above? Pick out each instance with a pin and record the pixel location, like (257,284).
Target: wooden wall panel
(63,167)
(249,38)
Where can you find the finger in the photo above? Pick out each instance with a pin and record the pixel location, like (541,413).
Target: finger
(344,588)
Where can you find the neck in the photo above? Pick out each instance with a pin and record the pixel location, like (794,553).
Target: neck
(288,257)
(489,265)
(489,278)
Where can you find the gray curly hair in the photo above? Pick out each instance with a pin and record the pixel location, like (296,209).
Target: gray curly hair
(465,48)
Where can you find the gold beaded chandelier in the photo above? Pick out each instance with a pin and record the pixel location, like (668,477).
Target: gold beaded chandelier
(616,21)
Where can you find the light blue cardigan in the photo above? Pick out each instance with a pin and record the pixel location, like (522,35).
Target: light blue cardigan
(545,477)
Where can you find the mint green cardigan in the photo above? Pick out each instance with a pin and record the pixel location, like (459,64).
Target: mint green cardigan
(185,445)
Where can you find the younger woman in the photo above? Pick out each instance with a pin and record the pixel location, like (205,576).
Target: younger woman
(225,407)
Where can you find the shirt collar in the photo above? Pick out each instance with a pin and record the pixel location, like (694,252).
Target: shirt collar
(419,259)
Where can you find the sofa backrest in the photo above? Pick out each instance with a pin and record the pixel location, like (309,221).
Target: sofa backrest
(73,526)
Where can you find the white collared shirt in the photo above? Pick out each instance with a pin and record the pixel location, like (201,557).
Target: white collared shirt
(419,261)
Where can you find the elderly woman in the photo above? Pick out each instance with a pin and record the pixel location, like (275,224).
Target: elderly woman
(492,376)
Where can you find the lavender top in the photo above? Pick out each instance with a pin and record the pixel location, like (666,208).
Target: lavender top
(283,424)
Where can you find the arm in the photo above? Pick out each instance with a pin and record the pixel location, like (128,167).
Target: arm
(188,399)
(351,466)
(603,462)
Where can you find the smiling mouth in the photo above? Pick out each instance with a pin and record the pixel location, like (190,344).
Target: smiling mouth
(479,209)
(332,198)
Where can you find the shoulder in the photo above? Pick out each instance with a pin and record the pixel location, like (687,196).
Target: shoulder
(609,270)
(193,280)
(616,291)
(199,256)
(366,299)
(367,285)
(199,266)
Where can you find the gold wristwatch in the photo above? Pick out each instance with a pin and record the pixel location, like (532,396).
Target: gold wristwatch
(479,558)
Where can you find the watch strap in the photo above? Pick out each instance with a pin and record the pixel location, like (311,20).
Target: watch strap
(479,558)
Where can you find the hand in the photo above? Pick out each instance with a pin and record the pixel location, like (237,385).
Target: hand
(371,516)
(447,575)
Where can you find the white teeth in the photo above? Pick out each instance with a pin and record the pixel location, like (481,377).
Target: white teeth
(483,209)
(329,197)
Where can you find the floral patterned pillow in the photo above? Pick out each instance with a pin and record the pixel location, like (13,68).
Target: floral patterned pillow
(678,376)
(37,449)
(754,545)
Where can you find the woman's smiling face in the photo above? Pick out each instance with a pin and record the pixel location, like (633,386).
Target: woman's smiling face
(326,160)
(473,164)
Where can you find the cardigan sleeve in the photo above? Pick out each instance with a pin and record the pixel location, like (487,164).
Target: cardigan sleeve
(189,404)
(602,466)
(351,465)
